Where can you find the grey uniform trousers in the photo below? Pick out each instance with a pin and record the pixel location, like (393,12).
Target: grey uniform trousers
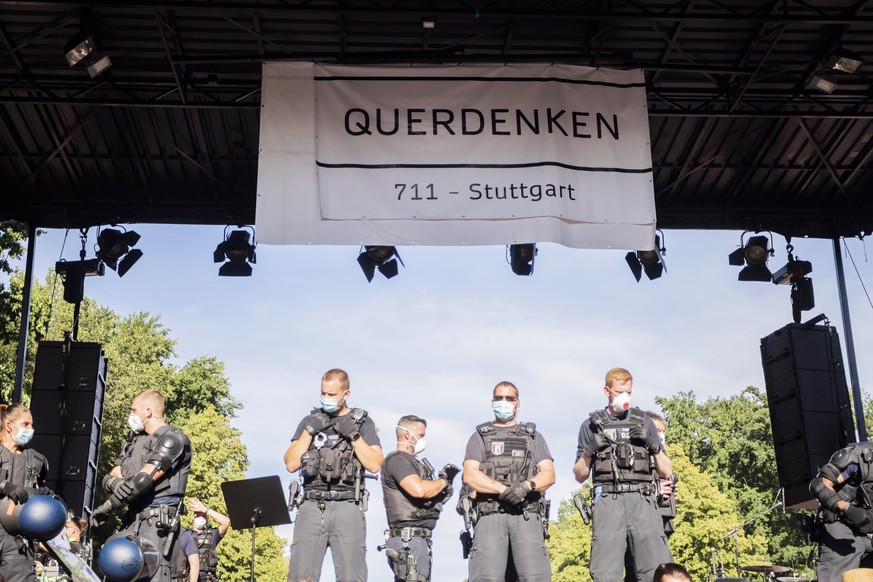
(15,565)
(342,527)
(495,534)
(840,549)
(622,521)
(420,550)
(148,528)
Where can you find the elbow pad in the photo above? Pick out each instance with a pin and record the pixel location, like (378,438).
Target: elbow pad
(166,452)
(825,495)
(830,472)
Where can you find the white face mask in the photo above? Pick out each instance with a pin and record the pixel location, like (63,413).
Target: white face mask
(662,436)
(621,402)
(199,522)
(420,443)
(135,423)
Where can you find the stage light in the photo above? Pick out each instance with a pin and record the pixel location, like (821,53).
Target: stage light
(239,250)
(652,262)
(82,50)
(428,23)
(819,82)
(844,60)
(73,274)
(792,272)
(113,249)
(522,257)
(753,255)
(379,257)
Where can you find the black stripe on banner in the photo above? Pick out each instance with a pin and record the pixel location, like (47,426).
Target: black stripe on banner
(489,80)
(525,165)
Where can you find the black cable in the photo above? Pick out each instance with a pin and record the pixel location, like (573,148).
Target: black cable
(851,258)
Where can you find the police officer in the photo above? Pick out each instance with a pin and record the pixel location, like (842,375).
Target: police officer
(187,562)
(508,466)
(843,488)
(332,447)
(617,445)
(206,538)
(413,501)
(150,477)
(20,467)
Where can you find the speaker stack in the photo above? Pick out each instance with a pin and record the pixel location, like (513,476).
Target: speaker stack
(810,408)
(69,383)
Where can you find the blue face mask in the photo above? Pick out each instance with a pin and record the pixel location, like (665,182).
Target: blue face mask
(330,405)
(503,410)
(23,436)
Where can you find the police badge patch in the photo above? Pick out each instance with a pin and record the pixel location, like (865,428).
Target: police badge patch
(497,448)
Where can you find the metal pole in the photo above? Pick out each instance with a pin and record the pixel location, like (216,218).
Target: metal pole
(850,344)
(24,329)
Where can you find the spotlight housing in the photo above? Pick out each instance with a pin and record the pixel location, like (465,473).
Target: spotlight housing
(239,250)
(113,249)
(81,50)
(522,257)
(844,60)
(383,258)
(792,272)
(820,82)
(651,262)
(754,256)
(73,274)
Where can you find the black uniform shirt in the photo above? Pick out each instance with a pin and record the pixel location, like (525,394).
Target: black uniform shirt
(397,467)
(586,436)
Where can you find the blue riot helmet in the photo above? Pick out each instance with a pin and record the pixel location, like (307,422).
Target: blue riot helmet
(126,558)
(42,518)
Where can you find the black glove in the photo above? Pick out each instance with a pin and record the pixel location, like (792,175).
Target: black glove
(516,492)
(860,519)
(110,483)
(447,493)
(16,493)
(596,444)
(124,491)
(99,515)
(638,432)
(317,423)
(346,425)
(44,491)
(449,472)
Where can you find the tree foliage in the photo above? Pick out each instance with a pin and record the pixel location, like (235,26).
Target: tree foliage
(140,354)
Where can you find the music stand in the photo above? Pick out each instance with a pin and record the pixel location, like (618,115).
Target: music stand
(254,503)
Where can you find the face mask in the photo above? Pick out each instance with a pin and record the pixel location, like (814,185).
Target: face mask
(662,436)
(621,402)
(135,423)
(199,522)
(23,436)
(420,443)
(330,405)
(503,410)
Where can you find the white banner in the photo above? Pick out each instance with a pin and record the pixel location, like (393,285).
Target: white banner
(454,155)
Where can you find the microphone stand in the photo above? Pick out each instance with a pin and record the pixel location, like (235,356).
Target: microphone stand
(733,533)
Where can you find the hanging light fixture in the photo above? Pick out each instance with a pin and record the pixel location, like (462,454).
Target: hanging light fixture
(522,257)
(383,258)
(753,258)
(651,262)
(238,248)
(113,249)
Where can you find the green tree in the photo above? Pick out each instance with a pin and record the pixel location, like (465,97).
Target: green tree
(731,440)
(704,515)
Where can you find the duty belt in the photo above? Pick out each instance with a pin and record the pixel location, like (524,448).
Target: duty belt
(329,495)
(155,511)
(488,507)
(644,488)
(421,532)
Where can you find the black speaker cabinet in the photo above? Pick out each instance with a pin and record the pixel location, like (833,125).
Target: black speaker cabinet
(69,383)
(810,408)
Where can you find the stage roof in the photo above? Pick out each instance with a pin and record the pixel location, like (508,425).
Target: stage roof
(169,134)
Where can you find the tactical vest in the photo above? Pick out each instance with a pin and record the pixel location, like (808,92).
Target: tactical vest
(35,463)
(626,459)
(208,555)
(509,457)
(330,463)
(402,507)
(172,484)
(858,490)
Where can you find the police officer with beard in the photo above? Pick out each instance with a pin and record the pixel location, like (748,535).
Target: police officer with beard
(20,467)
(844,488)
(332,447)
(150,477)
(615,446)
(413,501)
(508,465)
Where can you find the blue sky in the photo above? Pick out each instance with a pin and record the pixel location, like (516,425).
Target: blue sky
(434,340)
